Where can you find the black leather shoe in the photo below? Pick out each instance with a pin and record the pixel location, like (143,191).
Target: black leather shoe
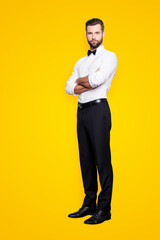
(83,211)
(98,217)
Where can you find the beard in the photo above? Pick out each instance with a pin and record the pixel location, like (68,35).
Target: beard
(95,45)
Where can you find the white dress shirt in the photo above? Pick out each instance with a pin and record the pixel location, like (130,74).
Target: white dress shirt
(100,80)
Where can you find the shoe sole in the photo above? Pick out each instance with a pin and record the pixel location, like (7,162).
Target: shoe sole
(91,213)
(108,218)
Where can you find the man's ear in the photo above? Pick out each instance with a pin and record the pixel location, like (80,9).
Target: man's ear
(103,34)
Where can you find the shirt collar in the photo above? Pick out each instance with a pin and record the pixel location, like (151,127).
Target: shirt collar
(99,49)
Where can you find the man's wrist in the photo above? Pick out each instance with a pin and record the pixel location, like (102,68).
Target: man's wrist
(80,89)
(84,82)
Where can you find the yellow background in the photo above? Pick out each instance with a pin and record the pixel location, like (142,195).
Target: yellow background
(40,178)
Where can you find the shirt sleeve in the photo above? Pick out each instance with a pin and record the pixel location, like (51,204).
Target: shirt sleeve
(70,85)
(107,68)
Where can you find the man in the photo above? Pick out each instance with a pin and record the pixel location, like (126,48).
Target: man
(91,79)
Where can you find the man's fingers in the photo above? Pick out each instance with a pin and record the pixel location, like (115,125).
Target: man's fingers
(98,69)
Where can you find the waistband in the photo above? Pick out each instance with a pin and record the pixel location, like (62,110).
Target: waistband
(91,103)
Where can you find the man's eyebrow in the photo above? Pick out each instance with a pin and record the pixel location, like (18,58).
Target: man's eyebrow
(95,32)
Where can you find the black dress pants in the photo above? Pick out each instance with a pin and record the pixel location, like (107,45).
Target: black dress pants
(93,132)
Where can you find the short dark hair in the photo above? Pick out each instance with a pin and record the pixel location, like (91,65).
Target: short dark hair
(95,21)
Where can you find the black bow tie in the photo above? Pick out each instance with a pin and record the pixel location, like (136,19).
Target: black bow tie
(89,52)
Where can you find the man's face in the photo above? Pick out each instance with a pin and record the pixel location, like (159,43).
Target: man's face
(94,36)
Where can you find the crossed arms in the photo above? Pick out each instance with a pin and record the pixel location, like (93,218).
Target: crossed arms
(83,85)
(107,69)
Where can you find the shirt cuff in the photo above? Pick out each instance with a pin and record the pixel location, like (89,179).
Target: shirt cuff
(91,79)
(73,86)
